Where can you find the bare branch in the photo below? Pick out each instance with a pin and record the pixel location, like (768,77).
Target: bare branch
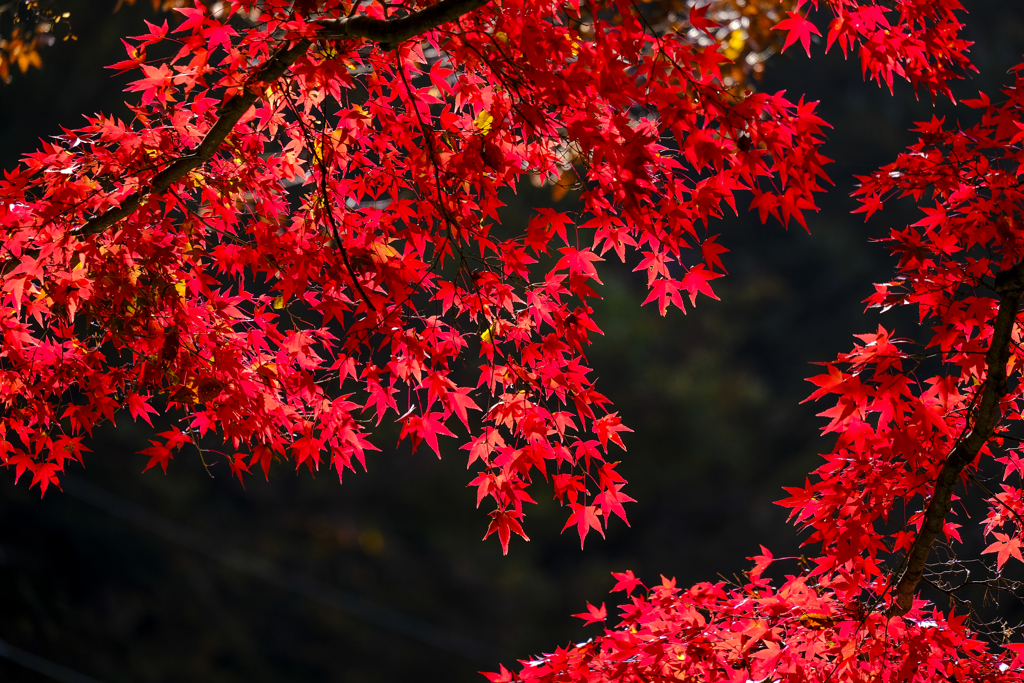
(391,32)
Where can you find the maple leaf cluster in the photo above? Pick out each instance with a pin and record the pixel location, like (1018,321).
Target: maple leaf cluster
(742,31)
(338,259)
(710,632)
(916,426)
(960,267)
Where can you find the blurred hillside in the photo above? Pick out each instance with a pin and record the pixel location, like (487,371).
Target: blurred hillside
(128,577)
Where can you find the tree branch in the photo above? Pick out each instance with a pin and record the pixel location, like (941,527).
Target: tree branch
(388,32)
(1010,288)
(229,114)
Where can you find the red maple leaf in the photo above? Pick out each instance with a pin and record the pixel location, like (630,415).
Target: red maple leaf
(505,523)
(138,407)
(607,429)
(625,581)
(194,17)
(44,475)
(1006,548)
(585,517)
(593,614)
(610,501)
(798,28)
(159,454)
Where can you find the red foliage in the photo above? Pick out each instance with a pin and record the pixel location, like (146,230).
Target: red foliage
(337,256)
(298,234)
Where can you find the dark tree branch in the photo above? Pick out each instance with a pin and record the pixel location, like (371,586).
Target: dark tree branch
(229,114)
(388,32)
(1009,286)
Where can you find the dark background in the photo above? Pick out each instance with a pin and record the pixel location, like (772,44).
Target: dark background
(145,577)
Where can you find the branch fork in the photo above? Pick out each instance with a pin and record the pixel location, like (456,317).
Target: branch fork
(388,33)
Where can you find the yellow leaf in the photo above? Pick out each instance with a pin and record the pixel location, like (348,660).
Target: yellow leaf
(489,334)
(816,621)
(279,303)
(267,370)
(381,251)
(483,122)
(133,275)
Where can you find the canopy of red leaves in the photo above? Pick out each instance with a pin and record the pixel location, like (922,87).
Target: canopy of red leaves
(332,257)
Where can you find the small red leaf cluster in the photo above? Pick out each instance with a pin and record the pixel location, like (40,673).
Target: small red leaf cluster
(917,40)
